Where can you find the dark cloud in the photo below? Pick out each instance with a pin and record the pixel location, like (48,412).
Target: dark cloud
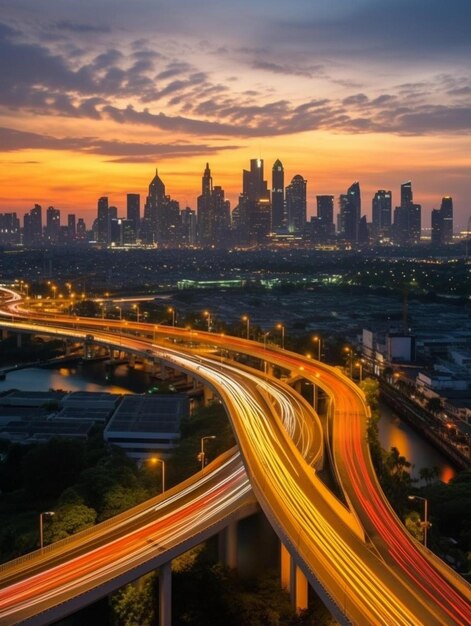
(75,27)
(13,140)
(277,68)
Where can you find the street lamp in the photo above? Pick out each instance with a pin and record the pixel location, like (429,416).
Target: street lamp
(172,311)
(54,289)
(350,356)
(425,524)
(202,452)
(153,461)
(359,364)
(207,314)
(318,340)
(136,306)
(282,328)
(103,308)
(41,526)
(246,319)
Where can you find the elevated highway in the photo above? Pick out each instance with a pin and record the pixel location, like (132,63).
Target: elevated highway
(363,582)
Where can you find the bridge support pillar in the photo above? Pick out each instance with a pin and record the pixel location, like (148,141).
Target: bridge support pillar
(132,360)
(165,594)
(208,396)
(293,579)
(227,545)
(19,340)
(66,347)
(268,368)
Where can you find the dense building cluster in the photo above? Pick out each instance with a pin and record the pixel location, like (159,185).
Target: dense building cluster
(262,215)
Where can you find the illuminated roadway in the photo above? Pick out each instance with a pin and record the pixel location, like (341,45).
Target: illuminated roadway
(324,538)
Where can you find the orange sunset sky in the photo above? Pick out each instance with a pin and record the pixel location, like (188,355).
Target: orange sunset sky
(95,95)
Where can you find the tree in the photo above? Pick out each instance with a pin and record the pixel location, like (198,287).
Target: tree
(414,525)
(68,520)
(133,605)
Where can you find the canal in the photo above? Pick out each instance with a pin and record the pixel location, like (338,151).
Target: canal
(96,376)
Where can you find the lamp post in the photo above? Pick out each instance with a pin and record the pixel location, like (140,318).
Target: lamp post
(207,314)
(172,311)
(41,526)
(282,328)
(359,364)
(318,340)
(425,524)
(120,309)
(103,310)
(136,306)
(246,319)
(154,460)
(202,452)
(348,350)
(265,335)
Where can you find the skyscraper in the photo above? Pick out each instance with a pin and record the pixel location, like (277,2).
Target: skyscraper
(446,210)
(277,196)
(381,213)
(33,226)
(296,204)
(213,212)
(133,210)
(437,227)
(102,220)
(325,217)
(407,218)
(161,215)
(71,227)
(254,210)
(350,213)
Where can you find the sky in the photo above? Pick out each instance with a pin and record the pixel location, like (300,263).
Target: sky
(97,94)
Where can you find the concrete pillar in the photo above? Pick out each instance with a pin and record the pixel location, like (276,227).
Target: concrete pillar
(66,347)
(208,396)
(298,386)
(293,580)
(227,545)
(285,567)
(165,594)
(268,368)
(132,360)
(19,340)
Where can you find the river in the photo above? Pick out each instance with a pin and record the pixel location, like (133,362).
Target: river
(97,377)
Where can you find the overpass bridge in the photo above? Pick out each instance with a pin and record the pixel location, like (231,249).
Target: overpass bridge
(361,561)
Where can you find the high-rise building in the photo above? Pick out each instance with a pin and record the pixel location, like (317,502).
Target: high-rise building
(381,213)
(254,210)
(81,230)
(325,218)
(350,213)
(277,196)
(296,204)
(161,222)
(446,210)
(189,231)
(53,225)
(133,210)
(214,216)
(442,223)
(10,233)
(407,225)
(437,227)
(71,227)
(102,221)
(33,226)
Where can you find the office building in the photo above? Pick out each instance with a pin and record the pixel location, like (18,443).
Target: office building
(381,214)
(296,204)
(278,220)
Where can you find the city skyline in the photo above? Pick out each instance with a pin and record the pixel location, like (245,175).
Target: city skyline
(95,97)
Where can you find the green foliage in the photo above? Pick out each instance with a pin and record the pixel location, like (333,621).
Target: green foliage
(413,524)
(119,498)
(68,520)
(51,467)
(133,605)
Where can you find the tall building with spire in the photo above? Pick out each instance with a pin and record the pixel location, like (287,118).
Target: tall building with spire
(277,196)
(381,213)
(213,212)
(161,224)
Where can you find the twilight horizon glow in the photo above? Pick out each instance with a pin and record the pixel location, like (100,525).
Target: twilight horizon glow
(96,94)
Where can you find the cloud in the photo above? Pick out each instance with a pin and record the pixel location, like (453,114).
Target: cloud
(13,140)
(76,27)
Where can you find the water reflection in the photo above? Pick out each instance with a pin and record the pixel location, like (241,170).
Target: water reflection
(398,434)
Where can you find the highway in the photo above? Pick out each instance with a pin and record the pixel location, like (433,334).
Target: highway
(144,538)
(326,539)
